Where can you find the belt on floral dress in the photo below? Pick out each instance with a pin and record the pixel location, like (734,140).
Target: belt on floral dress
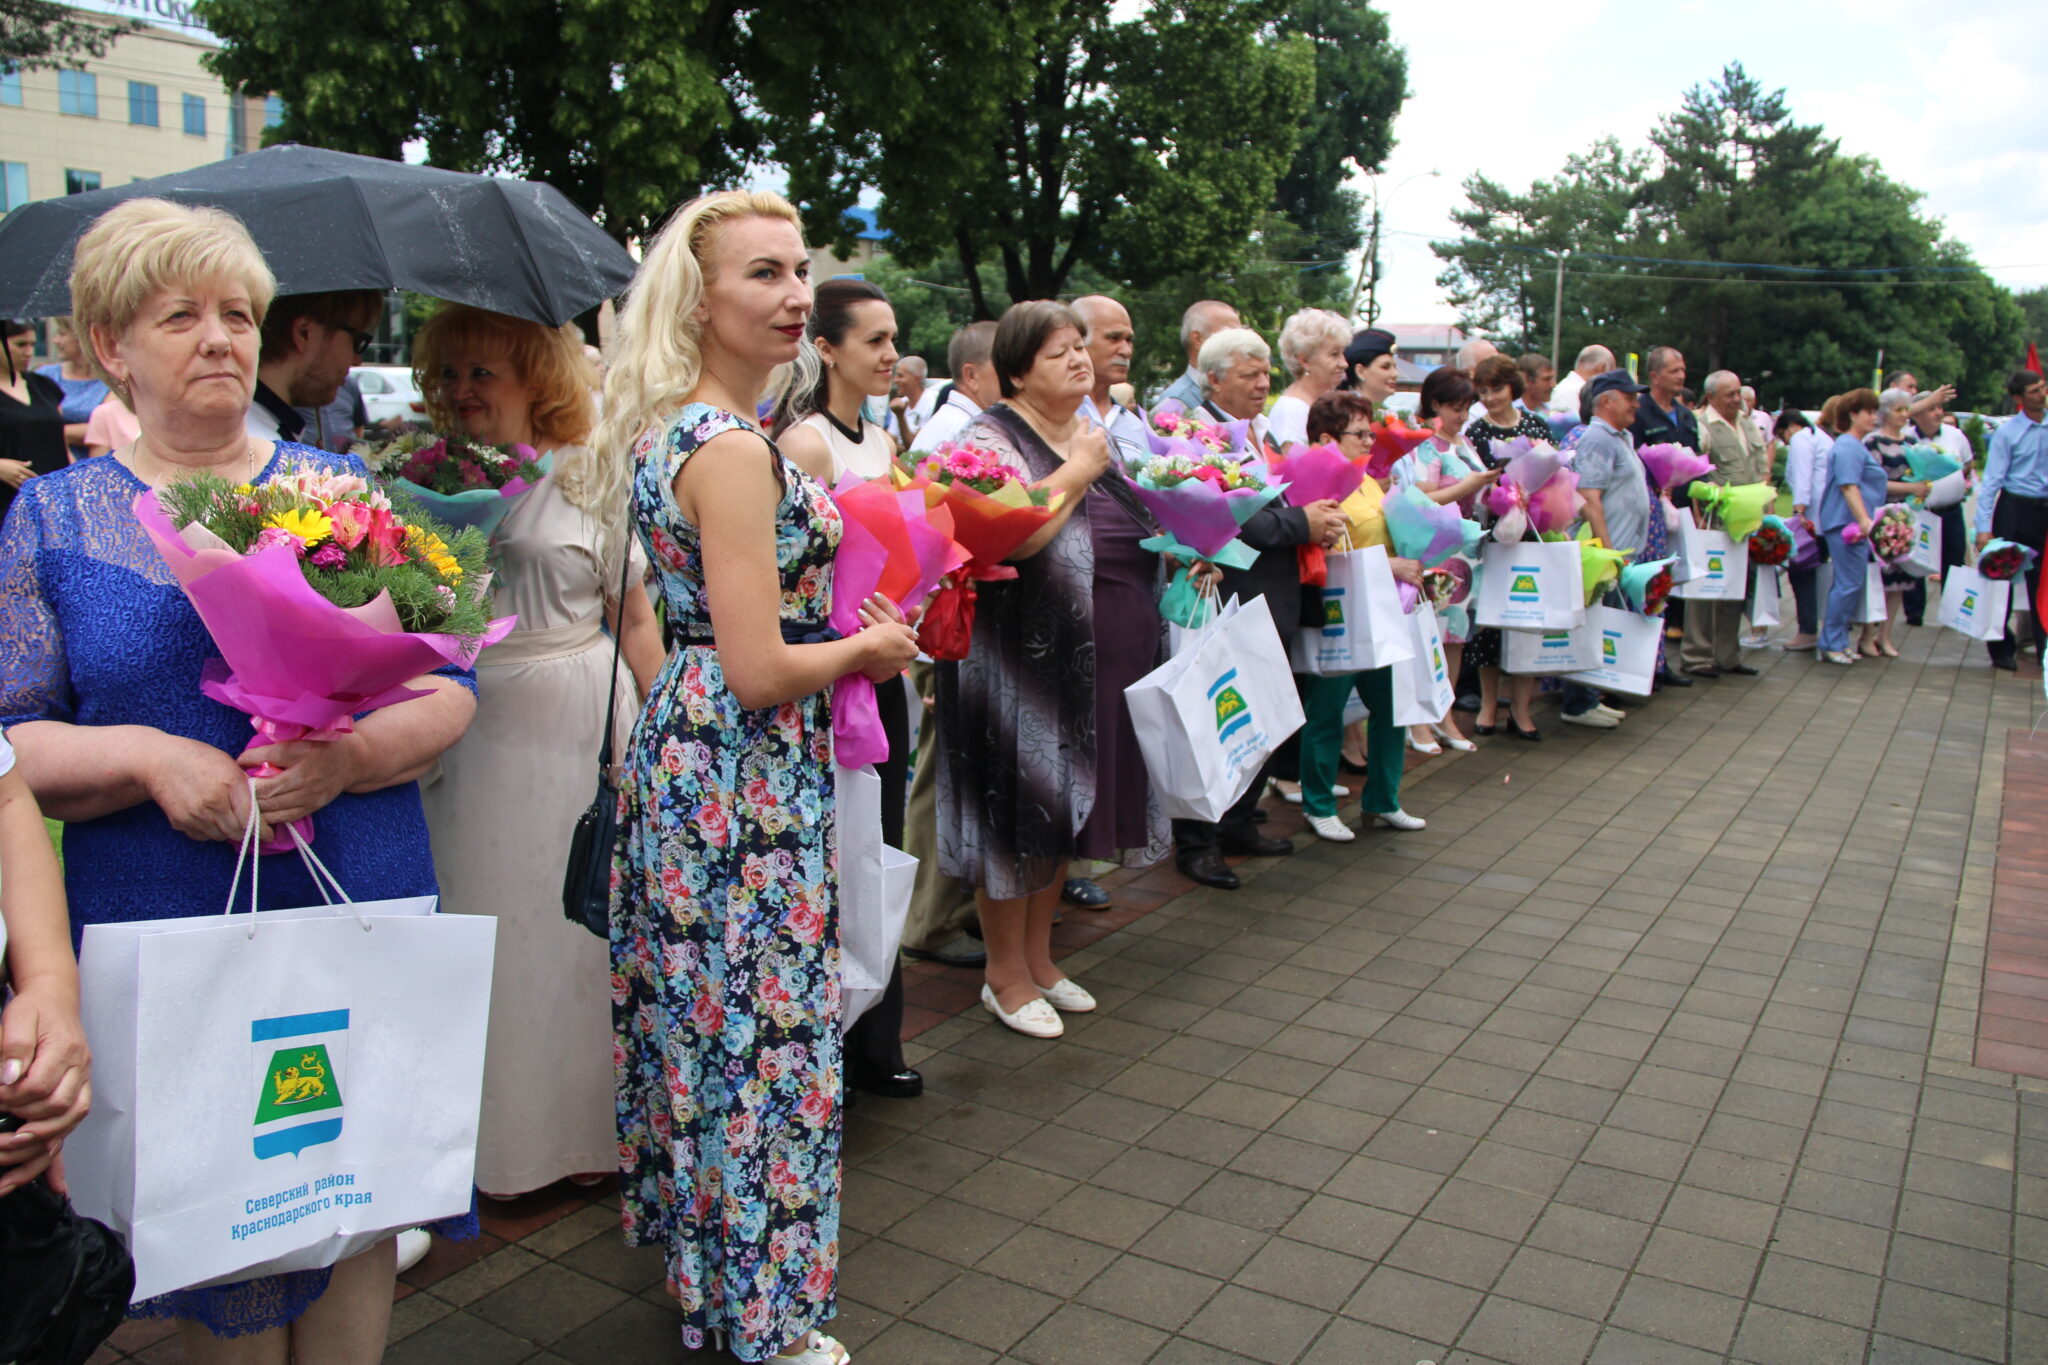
(793,633)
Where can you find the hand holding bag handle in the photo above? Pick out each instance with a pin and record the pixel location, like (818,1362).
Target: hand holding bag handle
(587,880)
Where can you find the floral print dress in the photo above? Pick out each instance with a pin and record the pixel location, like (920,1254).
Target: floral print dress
(725,954)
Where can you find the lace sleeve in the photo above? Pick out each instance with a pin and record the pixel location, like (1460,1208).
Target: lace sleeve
(34,680)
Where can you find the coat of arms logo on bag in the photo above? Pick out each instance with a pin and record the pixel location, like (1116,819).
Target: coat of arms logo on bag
(1523,589)
(1333,612)
(1970,602)
(1233,712)
(1610,648)
(299,1078)
(1714,564)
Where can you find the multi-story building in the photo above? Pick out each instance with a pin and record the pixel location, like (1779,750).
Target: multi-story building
(145,109)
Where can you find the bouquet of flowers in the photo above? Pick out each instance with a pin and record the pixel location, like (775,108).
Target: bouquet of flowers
(1806,543)
(323,597)
(1930,462)
(1536,493)
(1424,529)
(461,481)
(2003,560)
(1771,543)
(1313,474)
(1646,586)
(1598,565)
(1448,584)
(1671,464)
(1200,502)
(892,543)
(1391,439)
(1739,506)
(1195,429)
(1892,534)
(994,511)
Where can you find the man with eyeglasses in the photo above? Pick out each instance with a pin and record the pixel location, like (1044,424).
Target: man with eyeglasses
(310,341)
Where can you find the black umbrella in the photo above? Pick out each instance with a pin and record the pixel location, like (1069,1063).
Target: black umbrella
(64,1279)
(330,220)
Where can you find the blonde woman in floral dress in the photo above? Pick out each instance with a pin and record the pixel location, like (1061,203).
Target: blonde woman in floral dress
(725,958)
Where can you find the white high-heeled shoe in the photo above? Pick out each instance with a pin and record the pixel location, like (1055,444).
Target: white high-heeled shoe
(818,1349)
(1034,1018)
(1331,828)
(1400,819)
(1293,798)
(1427,750)
(1453,740)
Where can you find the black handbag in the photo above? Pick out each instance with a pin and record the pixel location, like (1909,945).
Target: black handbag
(587,881)
(64,1279)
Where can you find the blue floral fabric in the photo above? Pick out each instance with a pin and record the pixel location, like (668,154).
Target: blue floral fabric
(725,955)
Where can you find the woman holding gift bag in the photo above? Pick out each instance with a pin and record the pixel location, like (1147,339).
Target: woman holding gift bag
(1020,781)
(725,958)
(1855,488)
(1888,444)
(102,702)
(821,423)
(506,798)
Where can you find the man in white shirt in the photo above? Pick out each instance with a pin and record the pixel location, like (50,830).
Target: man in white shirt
(908,389)
(972,388)
(309,343)
(1204,319)
(1595,359)
(1110,340)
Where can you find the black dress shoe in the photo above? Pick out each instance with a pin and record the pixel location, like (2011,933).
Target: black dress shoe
(1708,672)
(1210,870)
(965,957)
(1254,845)
(1517,732)
(2010,665)
(1485,729)
(901,1085)
(1468,702)
(1670,679)
(1355,769)
(1084,893)
(1742,670)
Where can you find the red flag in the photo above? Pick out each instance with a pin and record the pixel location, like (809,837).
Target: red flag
(2033,358)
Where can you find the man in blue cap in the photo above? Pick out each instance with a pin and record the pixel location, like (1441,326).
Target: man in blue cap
(1617,494)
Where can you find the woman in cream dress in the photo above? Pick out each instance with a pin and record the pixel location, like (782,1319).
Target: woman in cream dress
(508,796)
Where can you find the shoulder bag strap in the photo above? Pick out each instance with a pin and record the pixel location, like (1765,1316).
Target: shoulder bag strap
(611,702)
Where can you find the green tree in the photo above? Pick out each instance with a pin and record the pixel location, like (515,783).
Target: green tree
(2034,305)
(1751,243)
(37,35)
(1361,83)
(626,106)
(1059,145)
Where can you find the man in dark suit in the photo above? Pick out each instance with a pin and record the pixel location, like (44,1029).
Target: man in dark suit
(1661,416)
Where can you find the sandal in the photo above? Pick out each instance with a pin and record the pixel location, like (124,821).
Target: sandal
(818,1349)
(1453,740)
(1886,648)
(1430,750)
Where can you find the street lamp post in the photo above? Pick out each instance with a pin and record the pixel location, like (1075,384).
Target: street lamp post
(1368,282)
(1557,315)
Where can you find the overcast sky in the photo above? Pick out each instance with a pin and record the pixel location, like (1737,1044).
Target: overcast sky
(1950,97)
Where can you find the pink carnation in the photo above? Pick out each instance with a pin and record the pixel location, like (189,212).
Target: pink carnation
(328,556)
(270,537)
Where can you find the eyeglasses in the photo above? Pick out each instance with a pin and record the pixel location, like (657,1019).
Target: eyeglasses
(360,340)
(1362,433)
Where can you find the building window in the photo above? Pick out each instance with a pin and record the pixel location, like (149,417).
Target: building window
(142,104)
(13,184)
(195,115)
(237,132)
(273,111)
(81,182)
(78,92)
(10,86)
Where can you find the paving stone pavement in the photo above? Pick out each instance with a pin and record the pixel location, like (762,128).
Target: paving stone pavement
(1655,1047)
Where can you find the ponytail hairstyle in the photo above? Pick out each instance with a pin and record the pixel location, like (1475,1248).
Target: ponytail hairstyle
(656,356)
(808,387)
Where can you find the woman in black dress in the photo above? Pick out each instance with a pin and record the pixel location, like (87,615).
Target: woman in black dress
(31,417)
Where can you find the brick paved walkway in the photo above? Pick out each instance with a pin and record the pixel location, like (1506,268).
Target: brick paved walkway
(1657,1046)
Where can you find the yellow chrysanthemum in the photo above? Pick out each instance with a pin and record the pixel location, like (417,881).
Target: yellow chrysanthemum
(308,525)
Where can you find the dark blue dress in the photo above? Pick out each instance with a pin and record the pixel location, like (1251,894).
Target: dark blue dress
(95,631)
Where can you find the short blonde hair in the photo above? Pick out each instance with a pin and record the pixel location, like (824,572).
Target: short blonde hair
(544,359)
(1221,353)
(1305,331)
(135,249)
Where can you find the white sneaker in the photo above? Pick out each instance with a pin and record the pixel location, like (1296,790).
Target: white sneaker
(1594,719)
(1400,819)
(1068,996)
(1035,1018)
(1331,828)
(1604,709)
(413,1245)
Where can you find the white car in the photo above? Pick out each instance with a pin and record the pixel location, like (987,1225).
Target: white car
(389,392)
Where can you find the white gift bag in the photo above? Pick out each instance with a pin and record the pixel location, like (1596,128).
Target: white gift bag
(1681,524)
(1423,686)
(875,882)
(1974,605)
(1872,609)
(1531,585)
(1363,625)
(1717,566)
(1550,651)
(1627,644)
(280,1091)
(1763,604)
(1209,717)
(1925,556)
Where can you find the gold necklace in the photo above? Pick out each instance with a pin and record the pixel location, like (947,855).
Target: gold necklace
(136,452)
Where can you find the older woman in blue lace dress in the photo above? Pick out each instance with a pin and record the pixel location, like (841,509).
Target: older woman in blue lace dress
(101,699)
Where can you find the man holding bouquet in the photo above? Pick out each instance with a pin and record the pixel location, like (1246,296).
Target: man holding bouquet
(1713,630)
